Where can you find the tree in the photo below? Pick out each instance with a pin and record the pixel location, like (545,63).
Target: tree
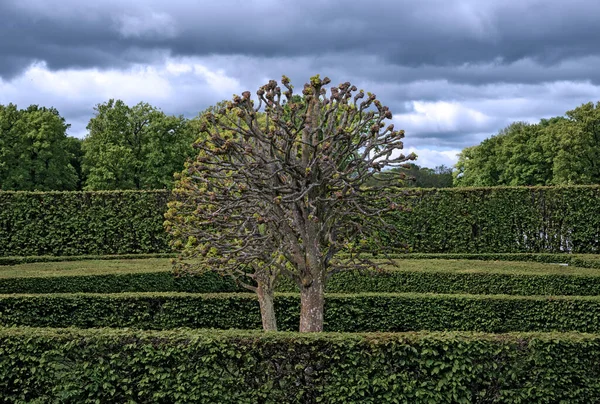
(33,150)
(415,176)
(137,147)
(577,157)
(281,192)
(556,151)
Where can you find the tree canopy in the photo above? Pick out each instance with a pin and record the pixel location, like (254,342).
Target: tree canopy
(556,151)
(35,152)
(279,191)
(137,147)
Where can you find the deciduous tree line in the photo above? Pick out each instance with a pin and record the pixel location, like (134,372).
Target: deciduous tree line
(556,151)
(138,147)
(127,147)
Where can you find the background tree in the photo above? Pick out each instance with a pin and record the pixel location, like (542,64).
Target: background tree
(34,151)
(289,180)
(136,147)
(577,157)
(556,151)
(414,176)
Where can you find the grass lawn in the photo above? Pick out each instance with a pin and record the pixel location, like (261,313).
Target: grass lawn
(102,267)
(91,267)
(499,267)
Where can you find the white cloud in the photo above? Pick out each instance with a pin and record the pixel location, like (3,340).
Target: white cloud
(441,116)
(432,158)
(177,86)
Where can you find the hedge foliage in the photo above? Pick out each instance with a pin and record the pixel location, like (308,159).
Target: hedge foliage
(501,220)
(450,220)
(209,282)
(17,260)
(343,313)
(82,223)
(343,282)
(183,366)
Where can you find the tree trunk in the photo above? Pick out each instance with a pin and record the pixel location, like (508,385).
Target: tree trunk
(267,308)
(312,304)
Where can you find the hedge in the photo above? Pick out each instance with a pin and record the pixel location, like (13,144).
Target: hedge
(344,282)
(500,220)
(450,220)
(209,282)
(82,223)
(343,313)
(17,260)
(183,366)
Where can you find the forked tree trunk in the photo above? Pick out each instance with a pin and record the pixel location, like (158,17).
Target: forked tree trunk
(312,304)
(267,308)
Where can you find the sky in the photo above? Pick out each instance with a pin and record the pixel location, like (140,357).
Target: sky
(453,72)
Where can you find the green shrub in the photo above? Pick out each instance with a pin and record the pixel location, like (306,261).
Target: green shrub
(82,223)
(344,313)
(122,366)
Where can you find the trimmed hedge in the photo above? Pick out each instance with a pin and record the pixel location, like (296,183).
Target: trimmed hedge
(125,366)
(343,313)
(5,261)
(209,282)
(344,282)
(82,223)
(449,220)
(500,220)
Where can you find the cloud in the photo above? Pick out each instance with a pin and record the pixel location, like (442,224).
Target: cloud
(434,158)
(456,34)
(177,87)
(150,25)
(453,72)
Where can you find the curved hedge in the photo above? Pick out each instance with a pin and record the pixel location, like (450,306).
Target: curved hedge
(110,366)
(343,313)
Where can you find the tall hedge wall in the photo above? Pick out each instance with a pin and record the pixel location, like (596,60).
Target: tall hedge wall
(80,223)
(501,219)
(126,366)
(451,220)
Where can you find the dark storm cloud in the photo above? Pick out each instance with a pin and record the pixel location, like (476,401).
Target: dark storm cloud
(462,41)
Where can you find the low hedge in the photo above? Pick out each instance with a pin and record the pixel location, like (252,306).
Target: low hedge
(571,259)
(344,282)
(183,366)
(344,313)
(576,260)
(4,261)
(210,282)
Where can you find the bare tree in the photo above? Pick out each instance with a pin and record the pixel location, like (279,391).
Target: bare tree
(277,188)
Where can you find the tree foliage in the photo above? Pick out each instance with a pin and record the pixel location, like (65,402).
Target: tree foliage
(137,147)
(281,192)
(412,175)
(556,151)
(35,152)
